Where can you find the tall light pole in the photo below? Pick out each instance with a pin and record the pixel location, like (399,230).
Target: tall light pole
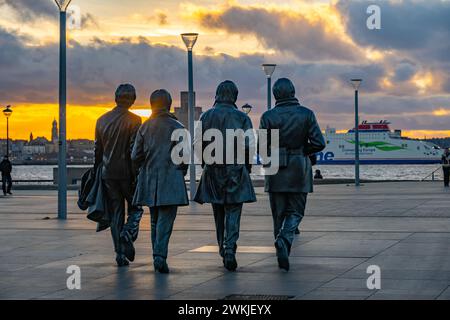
(269,70)
(356,83)
(189,40)
(62,145)
(7,112)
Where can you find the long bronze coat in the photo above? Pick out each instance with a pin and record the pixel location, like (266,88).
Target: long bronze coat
(225,183)
(160,182)
(115,133)
(300,136)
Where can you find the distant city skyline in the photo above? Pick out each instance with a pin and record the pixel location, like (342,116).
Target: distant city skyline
(44,148)
(320,45)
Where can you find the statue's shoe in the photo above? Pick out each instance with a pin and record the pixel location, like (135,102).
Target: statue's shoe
(128,249)
(160,265)
(229,262)
(121,260)
(282,255)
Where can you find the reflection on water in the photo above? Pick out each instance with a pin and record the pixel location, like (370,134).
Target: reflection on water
(370,172)
(382,172)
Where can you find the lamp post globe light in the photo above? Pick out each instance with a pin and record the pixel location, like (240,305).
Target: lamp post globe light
(7,112)
(62,144)
(356,83)
(269,70)
(189,40)
(247,108)
(63,4)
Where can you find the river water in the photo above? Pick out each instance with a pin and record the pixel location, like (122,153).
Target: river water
(369,172)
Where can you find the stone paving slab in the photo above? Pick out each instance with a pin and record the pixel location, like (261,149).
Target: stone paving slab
(402,227)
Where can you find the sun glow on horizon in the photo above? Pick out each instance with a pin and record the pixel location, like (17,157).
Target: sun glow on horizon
(143,113)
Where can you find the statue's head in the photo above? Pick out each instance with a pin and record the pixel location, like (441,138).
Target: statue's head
(227,92)
(125,95)
(283,89)
(161,100)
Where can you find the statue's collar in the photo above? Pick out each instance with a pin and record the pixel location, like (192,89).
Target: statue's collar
(228,104)
(121,109)
(287,102)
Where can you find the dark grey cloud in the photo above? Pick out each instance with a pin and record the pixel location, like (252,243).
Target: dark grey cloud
(27,72)
(30,75)
(317,78)
(404,71)
(89,21)
(286,33)
(404,112)
(408,113)
(416,27)
(95,69)
(29,10)
(415,32)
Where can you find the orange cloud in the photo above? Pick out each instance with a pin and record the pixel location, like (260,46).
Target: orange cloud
(310,31)
(441,112)
(423,81)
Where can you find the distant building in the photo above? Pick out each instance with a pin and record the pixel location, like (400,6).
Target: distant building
(182,113)
(80,149)
(34,147)
(52,146)
(41,145)
(39,141)
(3,143)
(41,149)
(15,148)
(55,132)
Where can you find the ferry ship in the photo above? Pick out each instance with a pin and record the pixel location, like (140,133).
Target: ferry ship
(378,145)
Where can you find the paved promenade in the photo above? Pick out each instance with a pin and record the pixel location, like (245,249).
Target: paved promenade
(403,227)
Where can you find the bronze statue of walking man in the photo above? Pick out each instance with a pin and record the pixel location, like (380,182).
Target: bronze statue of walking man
(114,137)
(299,137)
(160,184)
(226,185)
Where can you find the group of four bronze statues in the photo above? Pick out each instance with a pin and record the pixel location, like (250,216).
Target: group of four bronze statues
(135,165)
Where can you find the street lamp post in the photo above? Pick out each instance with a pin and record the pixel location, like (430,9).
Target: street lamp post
(246,108)
(356,83)
(189,40)
(269,70)
(62,145)
(7,112)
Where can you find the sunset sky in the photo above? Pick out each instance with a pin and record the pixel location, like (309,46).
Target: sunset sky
(318,44)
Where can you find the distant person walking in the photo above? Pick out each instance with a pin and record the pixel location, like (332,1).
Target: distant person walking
(115,134)
(318,175)
(445,166)
(6,169)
